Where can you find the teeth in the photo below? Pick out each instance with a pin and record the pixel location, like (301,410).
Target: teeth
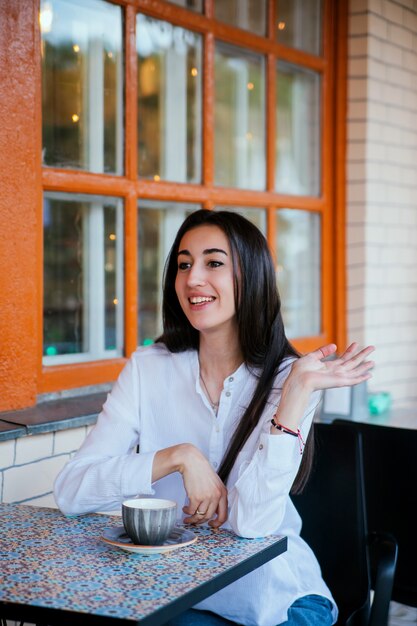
(200,299)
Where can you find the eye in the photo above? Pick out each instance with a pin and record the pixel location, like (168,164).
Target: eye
(214,264)
(183,266)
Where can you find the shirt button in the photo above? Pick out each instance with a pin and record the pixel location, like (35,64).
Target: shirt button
(228,393)
(261,447)
(231,379)
(215,464)
(217,429)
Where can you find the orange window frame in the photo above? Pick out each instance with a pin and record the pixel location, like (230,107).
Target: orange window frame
(34,378)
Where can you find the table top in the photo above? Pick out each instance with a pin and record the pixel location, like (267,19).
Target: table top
(396,418)
(58,568)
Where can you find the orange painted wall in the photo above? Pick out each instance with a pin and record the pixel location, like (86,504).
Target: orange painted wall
(20,201)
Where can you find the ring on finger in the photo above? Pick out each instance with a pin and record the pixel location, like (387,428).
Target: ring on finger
(200,512)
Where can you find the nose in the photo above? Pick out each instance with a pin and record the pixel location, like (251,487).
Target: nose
(195,276)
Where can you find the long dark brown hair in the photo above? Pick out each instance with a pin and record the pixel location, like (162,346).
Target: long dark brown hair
(262,338)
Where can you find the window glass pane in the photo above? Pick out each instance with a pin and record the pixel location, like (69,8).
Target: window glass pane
(194,5)
(82,85)
(247,14)
(298,131)
(239,122)
(113,277)
(83,278)
(169,104)
(299,24)
(254,215)
(157,226)
(299,271)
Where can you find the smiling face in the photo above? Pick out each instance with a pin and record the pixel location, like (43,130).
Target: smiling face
(205,280)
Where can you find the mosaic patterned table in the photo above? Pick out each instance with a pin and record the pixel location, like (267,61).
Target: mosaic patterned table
(56,570)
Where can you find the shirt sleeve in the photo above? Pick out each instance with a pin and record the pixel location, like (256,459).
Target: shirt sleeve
(258,499)
(106,469)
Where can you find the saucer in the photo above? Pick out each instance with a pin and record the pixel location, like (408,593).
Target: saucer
(118,538)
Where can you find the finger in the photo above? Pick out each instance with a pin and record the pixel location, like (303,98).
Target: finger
(325,351)
(360,379)
(200,513)
(204,511)
(356,376)
(222,513)
(350,351)
(211,511)
(362,368)
(356,360)
(191,507)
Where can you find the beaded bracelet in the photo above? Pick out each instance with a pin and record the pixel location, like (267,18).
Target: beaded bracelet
(288,431)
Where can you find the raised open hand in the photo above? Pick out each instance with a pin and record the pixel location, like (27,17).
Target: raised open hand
(350,368)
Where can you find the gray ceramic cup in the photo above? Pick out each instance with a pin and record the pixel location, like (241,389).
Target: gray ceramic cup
(149,521)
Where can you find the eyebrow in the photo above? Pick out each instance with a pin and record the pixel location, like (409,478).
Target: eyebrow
(206,251)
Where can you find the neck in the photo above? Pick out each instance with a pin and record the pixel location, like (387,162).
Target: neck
(219,357)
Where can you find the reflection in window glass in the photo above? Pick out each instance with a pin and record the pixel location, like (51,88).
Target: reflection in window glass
(299,24)
(299,271)
(169,101)
(82,85)
(157,226)
(83,278)
(254,215)
(239,125)
(298,131)
(247,14)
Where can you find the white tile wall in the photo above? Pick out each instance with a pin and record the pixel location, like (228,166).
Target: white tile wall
(7,452)
(23,482)
(33,448)
(382,189)
(67,441)
(29,465)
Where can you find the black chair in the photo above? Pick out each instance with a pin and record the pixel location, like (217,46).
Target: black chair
(390,470)
(332,507)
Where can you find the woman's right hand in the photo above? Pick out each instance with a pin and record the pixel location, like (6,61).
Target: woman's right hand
(207,495)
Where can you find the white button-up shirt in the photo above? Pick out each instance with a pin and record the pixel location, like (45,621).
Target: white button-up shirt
(158,402)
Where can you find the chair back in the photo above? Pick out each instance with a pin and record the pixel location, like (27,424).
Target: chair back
(390,470)
(332,507)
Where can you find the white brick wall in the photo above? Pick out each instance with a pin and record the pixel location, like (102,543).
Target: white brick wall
(29,465)
(382,189)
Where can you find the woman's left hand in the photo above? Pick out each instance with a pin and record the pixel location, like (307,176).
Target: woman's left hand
(351,368)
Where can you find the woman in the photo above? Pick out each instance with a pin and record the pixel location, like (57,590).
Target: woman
(221,406)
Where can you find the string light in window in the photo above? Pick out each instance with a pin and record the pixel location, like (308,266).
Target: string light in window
(75,118)
(157,177)
(281,25)
(194,71)
(76,47)
(112,237)
(116,301)
(110,55)
(250,86)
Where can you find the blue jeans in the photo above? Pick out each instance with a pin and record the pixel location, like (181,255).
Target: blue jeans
(307,611)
